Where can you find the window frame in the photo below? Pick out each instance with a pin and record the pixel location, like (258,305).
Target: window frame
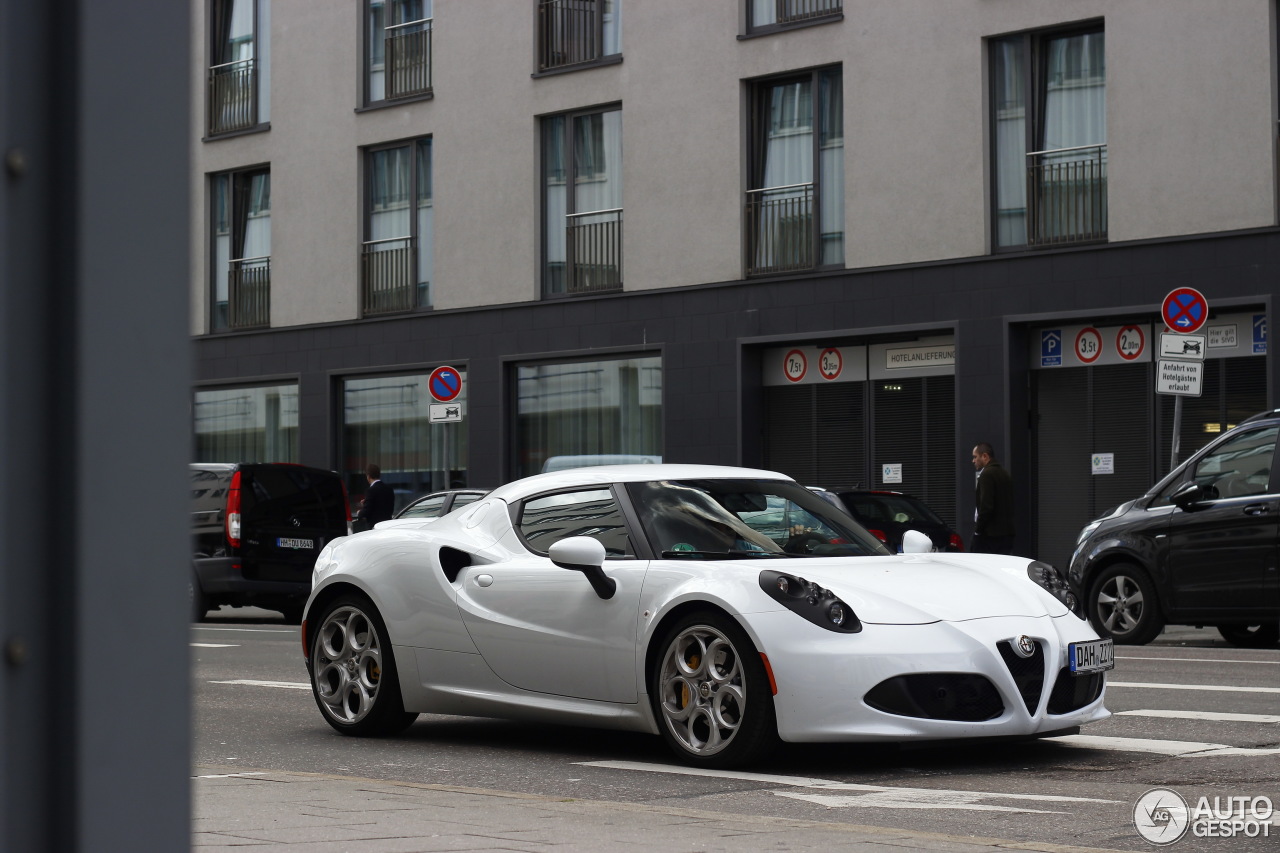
(212,48)
(366,63)
(753,30)
(367,154)
(235,177)
(622,500)
(539,65)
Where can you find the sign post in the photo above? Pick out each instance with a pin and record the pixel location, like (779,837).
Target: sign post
(1180,368)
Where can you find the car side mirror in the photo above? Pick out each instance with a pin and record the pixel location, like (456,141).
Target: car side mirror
(586,555)
(1188,495)
(915,542)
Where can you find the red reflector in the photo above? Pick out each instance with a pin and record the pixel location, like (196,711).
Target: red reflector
(879,534)
(305,651)
(768,670)
(957,542)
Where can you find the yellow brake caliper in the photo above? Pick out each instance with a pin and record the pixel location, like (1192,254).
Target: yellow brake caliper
(684,686)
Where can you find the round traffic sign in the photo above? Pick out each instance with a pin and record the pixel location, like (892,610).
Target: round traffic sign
(1130,342)
(830,363)
(1185,310)
(445,384)
(795,365)
(1088,345)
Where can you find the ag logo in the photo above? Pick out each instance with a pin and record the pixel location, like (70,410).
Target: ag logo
(1161,816)
(1024,646)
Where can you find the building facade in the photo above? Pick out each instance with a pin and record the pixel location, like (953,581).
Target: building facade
(843,239)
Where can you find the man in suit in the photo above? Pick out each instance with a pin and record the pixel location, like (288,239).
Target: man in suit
(379,499)
(993,514)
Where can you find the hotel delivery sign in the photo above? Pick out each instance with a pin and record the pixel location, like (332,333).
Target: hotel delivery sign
(943,355)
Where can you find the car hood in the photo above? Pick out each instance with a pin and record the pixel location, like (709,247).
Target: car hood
(914,589)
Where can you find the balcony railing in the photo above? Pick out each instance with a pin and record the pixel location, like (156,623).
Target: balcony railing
(387,276)
(408,58)
(794,11)
(1067,195)
(593,246)
(249,293)
(569,32)
(780,229)
(233,97)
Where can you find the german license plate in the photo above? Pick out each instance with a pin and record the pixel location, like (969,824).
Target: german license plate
(1093,656)
(296,544)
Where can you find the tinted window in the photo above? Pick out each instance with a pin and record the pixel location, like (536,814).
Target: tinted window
(275,493)
(1239,467)
(425,508)
(883,509)
(464,499)
(592,512)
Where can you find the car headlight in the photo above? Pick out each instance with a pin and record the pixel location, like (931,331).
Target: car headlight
(820,606)
(1049,579)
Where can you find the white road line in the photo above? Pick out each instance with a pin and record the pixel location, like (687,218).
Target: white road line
(291,685)
(851,795)
(230,775)
(1179,748)
(245,630)
(1214,687)
(215,645)
(1212,716)
(1198,660)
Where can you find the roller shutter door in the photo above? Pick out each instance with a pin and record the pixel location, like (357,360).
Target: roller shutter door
(914,424)
(817,433)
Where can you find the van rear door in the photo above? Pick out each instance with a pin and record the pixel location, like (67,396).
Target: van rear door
(288,513)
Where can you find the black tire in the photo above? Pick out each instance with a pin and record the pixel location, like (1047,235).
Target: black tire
(351,663)
(726,701)
(1260,636)
(292,613)
(1122,605)
(199,604)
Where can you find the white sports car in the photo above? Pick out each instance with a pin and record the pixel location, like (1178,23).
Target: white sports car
(724,608)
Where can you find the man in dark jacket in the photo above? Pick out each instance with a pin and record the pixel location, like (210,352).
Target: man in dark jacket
(993,515)
(379,500)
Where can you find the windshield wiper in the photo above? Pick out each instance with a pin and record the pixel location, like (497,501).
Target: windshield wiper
(726,555)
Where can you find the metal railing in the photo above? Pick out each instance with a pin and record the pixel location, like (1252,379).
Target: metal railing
(594,251)
(792,11)
(1067,195)
(249,293)
(780,229)
(569,32)
(387,283)
(408,58)
(233,97)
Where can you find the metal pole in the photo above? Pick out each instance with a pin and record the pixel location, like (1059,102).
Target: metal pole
(1177,432)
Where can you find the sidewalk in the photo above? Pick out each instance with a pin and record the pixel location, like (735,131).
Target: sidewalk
(329,814)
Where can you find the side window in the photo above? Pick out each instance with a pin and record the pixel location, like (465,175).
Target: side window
(591,512)
(1239,467)
(429,508)
(460,501)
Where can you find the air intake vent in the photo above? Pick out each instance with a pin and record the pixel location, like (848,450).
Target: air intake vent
(1073,692)
(938,696)
(1028,673)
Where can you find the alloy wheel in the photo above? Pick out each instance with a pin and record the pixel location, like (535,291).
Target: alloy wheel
(702,690)
(348,665)
(1120,604)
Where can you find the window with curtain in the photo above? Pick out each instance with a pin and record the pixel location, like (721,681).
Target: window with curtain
(578,32)
(399,246)
(386,420)
(241,249)
(239,96)
(1048,108)
(795,204)
(769,15)
(255,424)
(582,202)
(398,49)
(598,412)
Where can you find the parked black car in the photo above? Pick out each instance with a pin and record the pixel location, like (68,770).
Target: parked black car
(1202,547)
(256,531)
(437,504)
(888,515)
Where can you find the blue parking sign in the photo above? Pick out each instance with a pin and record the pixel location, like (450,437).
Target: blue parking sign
(1051,348)
(1259,334)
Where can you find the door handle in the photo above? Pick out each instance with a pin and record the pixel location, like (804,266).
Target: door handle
(1257,509)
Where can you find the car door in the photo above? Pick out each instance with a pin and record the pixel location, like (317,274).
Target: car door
(543,628)
(289,513)
(1223,551)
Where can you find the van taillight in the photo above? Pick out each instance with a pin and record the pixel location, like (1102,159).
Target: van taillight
(957,544)
(346,504)
(879,534)
(233,511)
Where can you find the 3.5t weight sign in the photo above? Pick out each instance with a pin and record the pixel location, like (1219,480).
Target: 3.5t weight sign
(1088,345)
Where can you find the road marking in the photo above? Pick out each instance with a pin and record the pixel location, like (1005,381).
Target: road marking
(215,645)
(1179,748)
(246,630)
(1198,660)
(851,795)
(1215,687)
(231,775)
(1212,716)
(291,685)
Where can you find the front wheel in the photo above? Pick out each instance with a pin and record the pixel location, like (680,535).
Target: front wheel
(710,693)
(1251,636)
(353,672)
(1122,605)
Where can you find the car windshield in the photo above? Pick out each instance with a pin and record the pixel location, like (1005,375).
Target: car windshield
(745,518)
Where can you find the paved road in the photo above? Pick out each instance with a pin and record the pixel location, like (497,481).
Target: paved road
(1192,714)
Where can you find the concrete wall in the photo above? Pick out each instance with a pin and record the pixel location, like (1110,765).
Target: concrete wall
(1190,113)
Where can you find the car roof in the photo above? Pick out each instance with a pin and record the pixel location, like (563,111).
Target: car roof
(1261,416)
(604,474)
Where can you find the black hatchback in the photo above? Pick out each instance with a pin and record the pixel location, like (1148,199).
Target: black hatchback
(887,515)
(256,530)
(1202,547)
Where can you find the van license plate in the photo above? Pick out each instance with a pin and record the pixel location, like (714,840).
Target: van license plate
(296,544)
(1094,656)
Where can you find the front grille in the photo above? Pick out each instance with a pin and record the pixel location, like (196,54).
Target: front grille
(1028,673)
(1073,692)
(938,696)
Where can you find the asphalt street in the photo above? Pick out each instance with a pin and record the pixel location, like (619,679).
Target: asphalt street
(1192,715)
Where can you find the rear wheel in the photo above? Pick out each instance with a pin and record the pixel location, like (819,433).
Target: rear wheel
(1251,636)
(1122,605)
(353,671)
(710,693)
